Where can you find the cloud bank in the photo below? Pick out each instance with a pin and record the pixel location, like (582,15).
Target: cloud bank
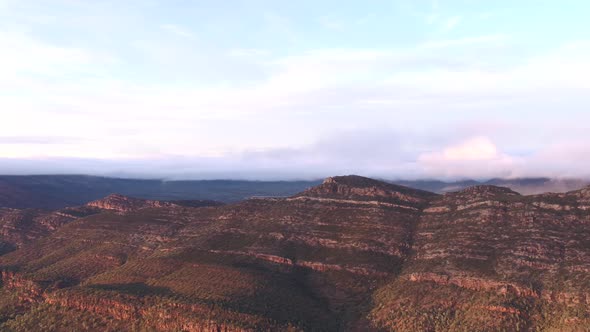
(382,155)
(172,96)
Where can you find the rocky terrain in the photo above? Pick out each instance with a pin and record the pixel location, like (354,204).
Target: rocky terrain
(489,257)
(19,227)
(524,186)
(120,203)
(350,254)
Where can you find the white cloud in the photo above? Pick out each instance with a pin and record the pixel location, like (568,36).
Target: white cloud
(331,23)
(476,157)
(480,157)
(486,15)
(187,119)
(479,148)
(24,55)
(256,53)
(494,40)
(177,30)
(561,159)
(435,5)
(451,23)
(432,18)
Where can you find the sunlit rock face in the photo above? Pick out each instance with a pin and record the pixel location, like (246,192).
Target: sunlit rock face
(349,254)
(125,204)
(360,189)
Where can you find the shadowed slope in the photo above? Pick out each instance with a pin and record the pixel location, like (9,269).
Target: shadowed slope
(487,258)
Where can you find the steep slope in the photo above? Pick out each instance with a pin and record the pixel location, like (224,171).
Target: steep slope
(122,203)
(358,188)
(305,262)
(19,227)
(487,258)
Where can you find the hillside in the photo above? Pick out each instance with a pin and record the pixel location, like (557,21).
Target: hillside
(351,253)
(487,258)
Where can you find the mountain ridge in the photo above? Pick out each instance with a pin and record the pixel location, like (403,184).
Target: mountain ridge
(347,254)
(60,191)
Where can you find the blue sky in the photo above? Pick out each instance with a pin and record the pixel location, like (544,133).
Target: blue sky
(295,89)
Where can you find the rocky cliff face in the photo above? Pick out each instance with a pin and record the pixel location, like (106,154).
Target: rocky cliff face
(357,188)
(350,254)
(491,257)
(122,203)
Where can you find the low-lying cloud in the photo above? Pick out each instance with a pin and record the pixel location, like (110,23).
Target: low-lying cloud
(380,154)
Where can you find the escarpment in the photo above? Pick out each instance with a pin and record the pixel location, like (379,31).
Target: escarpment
(349,254)
(357,188)
(125,204)
(486,248)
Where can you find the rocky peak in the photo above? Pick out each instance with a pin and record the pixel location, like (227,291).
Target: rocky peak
(465,197)
(486,191)
(354,187)
(122,203)
(353,180)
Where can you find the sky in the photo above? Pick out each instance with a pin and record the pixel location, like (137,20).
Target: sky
(276,89)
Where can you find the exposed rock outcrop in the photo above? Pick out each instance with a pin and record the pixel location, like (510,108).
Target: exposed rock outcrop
(357,188)
(122,203)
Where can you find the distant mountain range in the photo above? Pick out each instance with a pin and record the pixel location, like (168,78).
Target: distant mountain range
(524,186)
(60,191)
